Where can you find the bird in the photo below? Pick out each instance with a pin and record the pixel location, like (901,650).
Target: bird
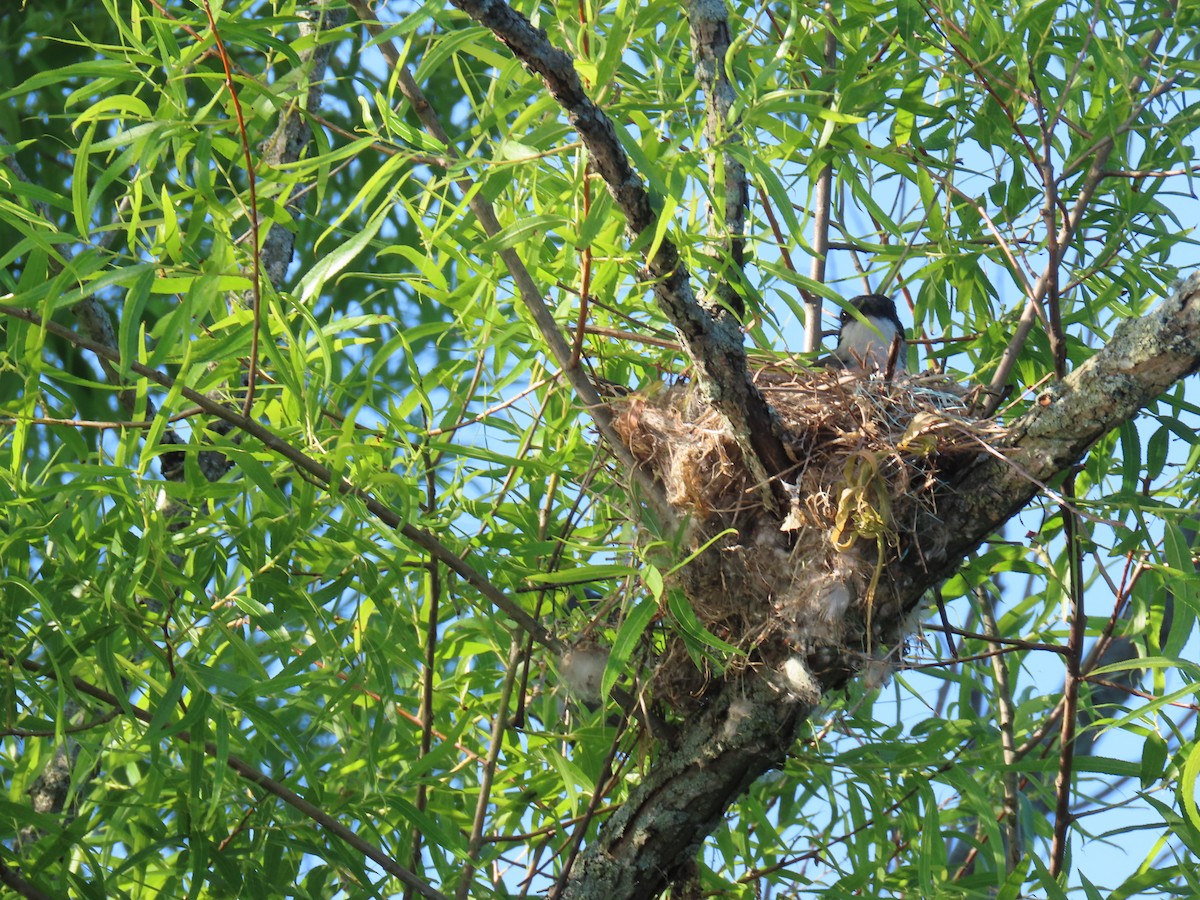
(865,341)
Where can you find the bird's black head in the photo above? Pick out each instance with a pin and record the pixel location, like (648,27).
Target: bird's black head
(875,306)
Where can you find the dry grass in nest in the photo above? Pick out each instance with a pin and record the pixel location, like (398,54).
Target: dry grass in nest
(870,458)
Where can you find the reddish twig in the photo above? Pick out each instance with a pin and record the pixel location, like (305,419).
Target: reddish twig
(239,828)
(1063,783)
(252,212)
(73,423)
(780,242)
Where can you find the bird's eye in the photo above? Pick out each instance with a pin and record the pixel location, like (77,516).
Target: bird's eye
(845,317)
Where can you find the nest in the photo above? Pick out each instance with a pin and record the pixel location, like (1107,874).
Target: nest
(781,574)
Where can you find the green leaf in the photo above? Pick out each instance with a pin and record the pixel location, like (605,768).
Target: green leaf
(1053,890)
(335,261)
(629,635)
(258,475)
(581,574)
(1187,786)
(1154,759)
(130,331)
(520,231)
(685,617)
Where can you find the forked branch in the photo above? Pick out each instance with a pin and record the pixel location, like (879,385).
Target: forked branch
(714,344)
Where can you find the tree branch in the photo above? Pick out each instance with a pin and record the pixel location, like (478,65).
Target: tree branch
(1005,717)
(709,21)
(1063,782)
(822,212)
(748,728)
(713,344)
(1144,358)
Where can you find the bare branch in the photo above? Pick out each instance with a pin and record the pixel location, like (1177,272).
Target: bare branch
(823,203)
(709,20)
(12,878)
(1063,781)
(1005,717)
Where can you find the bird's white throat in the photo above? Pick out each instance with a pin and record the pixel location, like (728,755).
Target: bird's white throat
(862,344)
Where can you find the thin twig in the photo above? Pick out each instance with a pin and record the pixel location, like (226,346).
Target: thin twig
(1050,492)
(251,212)
(499,728)
(1015,643)
(1135,692)
(823,207)
(433,596)
(55,732)
(492,410)
(1005,718)
(780,243)
(646,339)
(1063,783)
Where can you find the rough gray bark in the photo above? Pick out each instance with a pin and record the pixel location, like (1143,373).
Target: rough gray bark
(749,727)
(1144,358)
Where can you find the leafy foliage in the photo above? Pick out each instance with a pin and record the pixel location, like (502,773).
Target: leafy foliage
(261,622)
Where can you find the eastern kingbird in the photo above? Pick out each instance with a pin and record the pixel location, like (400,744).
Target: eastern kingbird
(865,346)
